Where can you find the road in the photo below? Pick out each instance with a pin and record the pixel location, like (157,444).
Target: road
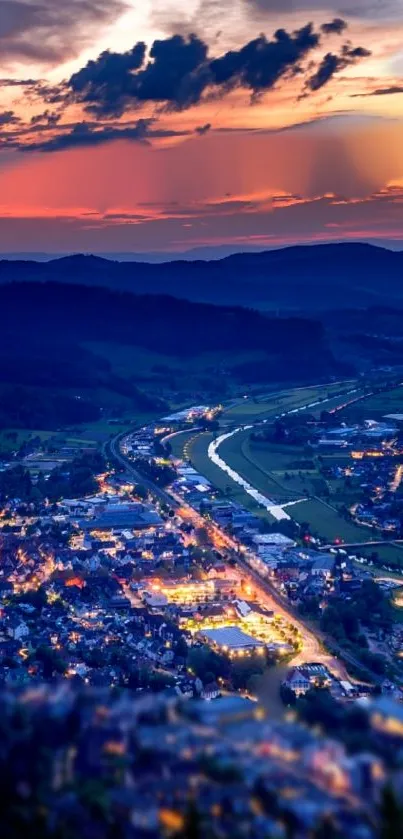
(371,544)
(313,649)
(154,490)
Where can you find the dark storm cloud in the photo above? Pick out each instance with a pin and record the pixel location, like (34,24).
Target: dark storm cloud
(335,26)
(112,72)
(178,70)
(329,65)
(8,118)
(261,63)
(51,30)
(332,64)
(84,135)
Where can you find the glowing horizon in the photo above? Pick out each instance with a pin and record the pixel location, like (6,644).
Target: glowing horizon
(307,151)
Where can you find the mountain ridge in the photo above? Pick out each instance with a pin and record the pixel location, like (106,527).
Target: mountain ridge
(299,278)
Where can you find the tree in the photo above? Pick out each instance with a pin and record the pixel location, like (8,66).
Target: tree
(202,660)
(201,535)
(332,624)
(160,681)
(243,669)
(16,483)
(319,707)
(287,695)
(51,661)
(391,815)
(193,827)
(253,684)
(327,830)
(181,648)
(310,607)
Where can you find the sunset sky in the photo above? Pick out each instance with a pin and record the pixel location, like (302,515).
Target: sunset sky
(167,125)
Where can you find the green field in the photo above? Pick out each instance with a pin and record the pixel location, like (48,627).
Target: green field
(255,466)
(324,520)
(233,452)
(197,450)
(376,407)
(327,522)
(292,473)
(10,444)
(281,473)
(77,436)
(387,554)
(178,444)
(250,410)
(295,473)
(128,359)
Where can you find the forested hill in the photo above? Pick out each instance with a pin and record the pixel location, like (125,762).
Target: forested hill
(38,314)
(158,322)
(299,279)
(61,349)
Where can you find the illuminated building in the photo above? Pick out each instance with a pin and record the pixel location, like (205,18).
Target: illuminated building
(232,640)
(192,591)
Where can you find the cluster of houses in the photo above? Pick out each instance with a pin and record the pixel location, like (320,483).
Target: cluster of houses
(253,776)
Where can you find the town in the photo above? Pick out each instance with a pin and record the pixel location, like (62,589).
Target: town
(201,419)
(150,579)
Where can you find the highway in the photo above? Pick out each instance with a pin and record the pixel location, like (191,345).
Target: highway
(314,641)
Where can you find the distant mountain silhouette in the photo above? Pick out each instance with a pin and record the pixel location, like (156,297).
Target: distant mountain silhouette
(302,278)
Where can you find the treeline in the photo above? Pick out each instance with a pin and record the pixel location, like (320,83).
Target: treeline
(24,407)
(159,323)
(70,480)
(368,608)
(50,378)
(159,473)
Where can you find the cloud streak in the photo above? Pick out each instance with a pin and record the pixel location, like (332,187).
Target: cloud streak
(84,135)
(49,31)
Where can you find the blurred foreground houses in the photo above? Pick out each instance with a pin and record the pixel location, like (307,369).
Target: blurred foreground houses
(101,763)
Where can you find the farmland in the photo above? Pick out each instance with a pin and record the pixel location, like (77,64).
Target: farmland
(265,467)
(272,404)
(328,523)
(385,554)
(282,472)
(376,406)
(196,451)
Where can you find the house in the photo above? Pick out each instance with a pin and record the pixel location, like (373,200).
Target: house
(278,540)
(167,657)
(185,689)
(323,567)
(243,609)
(297,682)
(210,691)
(17,628)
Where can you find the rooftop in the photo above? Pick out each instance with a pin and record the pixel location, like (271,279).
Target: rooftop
(273,539)
(231,637)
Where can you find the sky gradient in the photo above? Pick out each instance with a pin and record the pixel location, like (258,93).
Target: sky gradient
(167,126)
